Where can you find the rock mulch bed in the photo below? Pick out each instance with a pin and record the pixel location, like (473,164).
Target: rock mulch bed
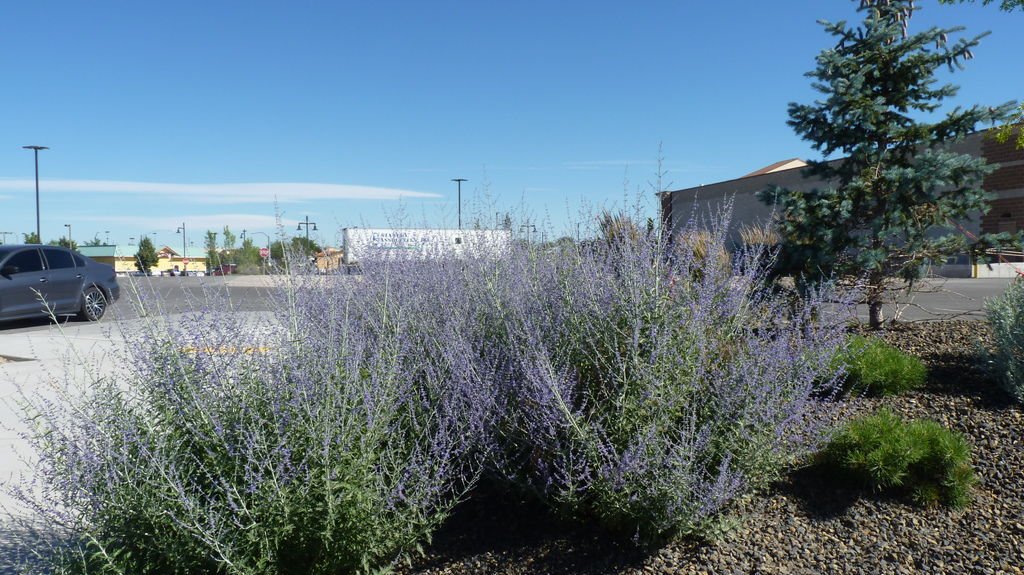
(804,524)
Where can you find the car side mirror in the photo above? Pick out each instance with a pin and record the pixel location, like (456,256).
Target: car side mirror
(8,270)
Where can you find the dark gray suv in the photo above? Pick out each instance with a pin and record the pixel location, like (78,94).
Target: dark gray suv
(68,282)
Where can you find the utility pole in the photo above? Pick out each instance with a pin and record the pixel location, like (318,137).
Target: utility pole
(39,236)
(3,237)
(459,182)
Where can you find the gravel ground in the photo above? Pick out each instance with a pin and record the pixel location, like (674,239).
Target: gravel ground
(803,525)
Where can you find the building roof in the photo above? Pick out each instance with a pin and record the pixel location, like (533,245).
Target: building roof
(190,252)
(108,251)
(789,164)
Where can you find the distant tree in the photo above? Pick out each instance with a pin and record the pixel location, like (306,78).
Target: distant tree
(212,253)
(247,256)
(296,246)
(899,183)
(95,241)
(146,258)
(229,239)
(563,244)
(64,242)
(31,238)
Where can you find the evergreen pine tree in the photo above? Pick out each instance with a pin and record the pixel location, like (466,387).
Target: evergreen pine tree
(889,206)
(146,257)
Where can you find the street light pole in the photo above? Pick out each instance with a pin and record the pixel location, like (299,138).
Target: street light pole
(3,237)
(459,182)
(307,223)
(68,226)
(184,249)
(264,260)
(36,149)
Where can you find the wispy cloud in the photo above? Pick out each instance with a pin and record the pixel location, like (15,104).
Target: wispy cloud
(256,192)
(620,164)
(195,222)
(604,164)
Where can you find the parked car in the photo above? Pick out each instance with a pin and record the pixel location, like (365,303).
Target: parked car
(38,280)
(224,269)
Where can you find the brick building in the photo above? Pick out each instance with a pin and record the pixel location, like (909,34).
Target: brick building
(1006,183)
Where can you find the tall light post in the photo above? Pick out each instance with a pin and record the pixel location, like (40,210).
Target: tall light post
(184,249)
(266,235)
(68,226)
(459,181)
(36,149)
(306,223)
(3,237)
(107,241)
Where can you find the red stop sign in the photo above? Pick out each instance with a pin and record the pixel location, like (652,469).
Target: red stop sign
(184,260)
(264,253)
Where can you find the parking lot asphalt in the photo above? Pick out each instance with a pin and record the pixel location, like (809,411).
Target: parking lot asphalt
(170,295)
(937,299)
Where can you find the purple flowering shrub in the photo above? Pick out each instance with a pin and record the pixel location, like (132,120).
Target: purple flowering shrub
(639,383)
(329,437)
(648,385)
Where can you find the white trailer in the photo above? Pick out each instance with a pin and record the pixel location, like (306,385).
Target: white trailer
(361,244)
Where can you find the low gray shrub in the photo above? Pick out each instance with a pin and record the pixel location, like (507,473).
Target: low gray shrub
(1006,316)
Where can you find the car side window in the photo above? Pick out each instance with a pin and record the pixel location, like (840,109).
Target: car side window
(26,261)
(79,259)
(58,259)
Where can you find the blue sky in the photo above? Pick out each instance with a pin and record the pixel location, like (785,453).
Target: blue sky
(214,113)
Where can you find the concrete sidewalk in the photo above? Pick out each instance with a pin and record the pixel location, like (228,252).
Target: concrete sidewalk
(43,364)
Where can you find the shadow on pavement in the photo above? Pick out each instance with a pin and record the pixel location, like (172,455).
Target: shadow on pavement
(21,548)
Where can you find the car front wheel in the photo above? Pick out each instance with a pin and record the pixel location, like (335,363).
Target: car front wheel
(94,304)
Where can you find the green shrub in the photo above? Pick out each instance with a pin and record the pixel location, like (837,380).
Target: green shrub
(874,367)
(1006,316)
(884,452)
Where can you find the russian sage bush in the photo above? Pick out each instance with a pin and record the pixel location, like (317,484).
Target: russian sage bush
(640,383)
(331,436)
(1006,316)
(648,384)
